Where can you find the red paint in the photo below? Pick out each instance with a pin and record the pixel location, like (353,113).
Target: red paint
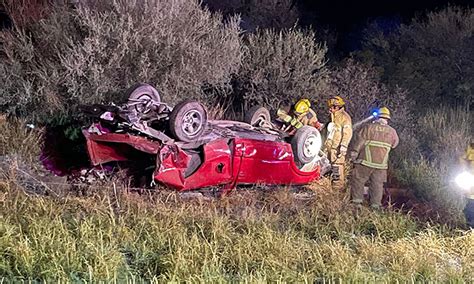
(171,166)
(226,162)
(214,171)
(239,161)
(110,147)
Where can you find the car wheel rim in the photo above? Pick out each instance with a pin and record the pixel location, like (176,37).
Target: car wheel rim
(192,122)
(143,103)
(311,146)
(259,121)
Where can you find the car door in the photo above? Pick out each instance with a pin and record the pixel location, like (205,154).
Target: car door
(261,161)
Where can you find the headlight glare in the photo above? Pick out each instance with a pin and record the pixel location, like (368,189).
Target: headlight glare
(465,180)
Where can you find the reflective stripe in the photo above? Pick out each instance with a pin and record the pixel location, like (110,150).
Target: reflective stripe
(296,123)
(368,155)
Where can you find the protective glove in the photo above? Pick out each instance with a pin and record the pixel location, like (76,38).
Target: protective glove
(283,115)
(318,125)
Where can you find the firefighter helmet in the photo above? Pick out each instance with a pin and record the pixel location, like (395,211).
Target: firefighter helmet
(336,101)
(384,112)
(302,106)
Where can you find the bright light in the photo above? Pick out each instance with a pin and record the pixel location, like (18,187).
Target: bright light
(375,112)
(465,180)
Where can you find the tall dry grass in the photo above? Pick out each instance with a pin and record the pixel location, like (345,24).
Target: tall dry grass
(428,159)
(17,139)
(252,236)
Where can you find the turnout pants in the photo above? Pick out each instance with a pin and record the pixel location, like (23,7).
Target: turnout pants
(376,177)
(469,212)
(340,164)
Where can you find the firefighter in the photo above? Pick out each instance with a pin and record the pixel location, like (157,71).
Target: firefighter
(466,181)
(339,137)
(301,114)
(467,160)
(369,154)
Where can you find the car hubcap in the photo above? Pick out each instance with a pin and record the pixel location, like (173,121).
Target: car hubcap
(143,103)
(311,146)
(192,122)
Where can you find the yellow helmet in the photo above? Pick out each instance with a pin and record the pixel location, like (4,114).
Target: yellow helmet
(336,101)
(384,112)
(302,106)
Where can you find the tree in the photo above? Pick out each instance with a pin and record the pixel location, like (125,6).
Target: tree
(432,57)
(281,66)
(94,51)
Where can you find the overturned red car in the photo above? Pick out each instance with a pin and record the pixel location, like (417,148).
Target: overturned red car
(193,152)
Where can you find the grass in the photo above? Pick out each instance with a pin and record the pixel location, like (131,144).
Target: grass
(250,236)
(19,140)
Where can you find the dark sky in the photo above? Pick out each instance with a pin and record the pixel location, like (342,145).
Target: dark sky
(342,14)
(347,18)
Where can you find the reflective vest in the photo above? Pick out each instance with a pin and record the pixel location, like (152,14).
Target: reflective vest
(469,157)
(307,118)
(341,132)
(373,144)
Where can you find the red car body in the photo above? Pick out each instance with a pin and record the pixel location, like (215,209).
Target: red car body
(226,162)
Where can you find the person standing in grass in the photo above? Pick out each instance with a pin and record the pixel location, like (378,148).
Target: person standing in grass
(339,137)
(370,155)
(467,161)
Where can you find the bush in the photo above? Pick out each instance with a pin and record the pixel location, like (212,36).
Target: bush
(445,134)
(92,53)
(430,57)
(281,66)
(362,90)
(25,12)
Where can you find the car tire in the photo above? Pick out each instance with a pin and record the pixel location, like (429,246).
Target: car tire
(144,93)
(257,114)
(306,144)
(188,120)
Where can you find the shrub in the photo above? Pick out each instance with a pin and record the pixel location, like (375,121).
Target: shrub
(92,53)
(281,66)
(445,134)
(429,166)
(362,90)
(431,57)
(25,12)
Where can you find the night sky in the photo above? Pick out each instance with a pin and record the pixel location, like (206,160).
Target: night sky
(348,17)
(343,14)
